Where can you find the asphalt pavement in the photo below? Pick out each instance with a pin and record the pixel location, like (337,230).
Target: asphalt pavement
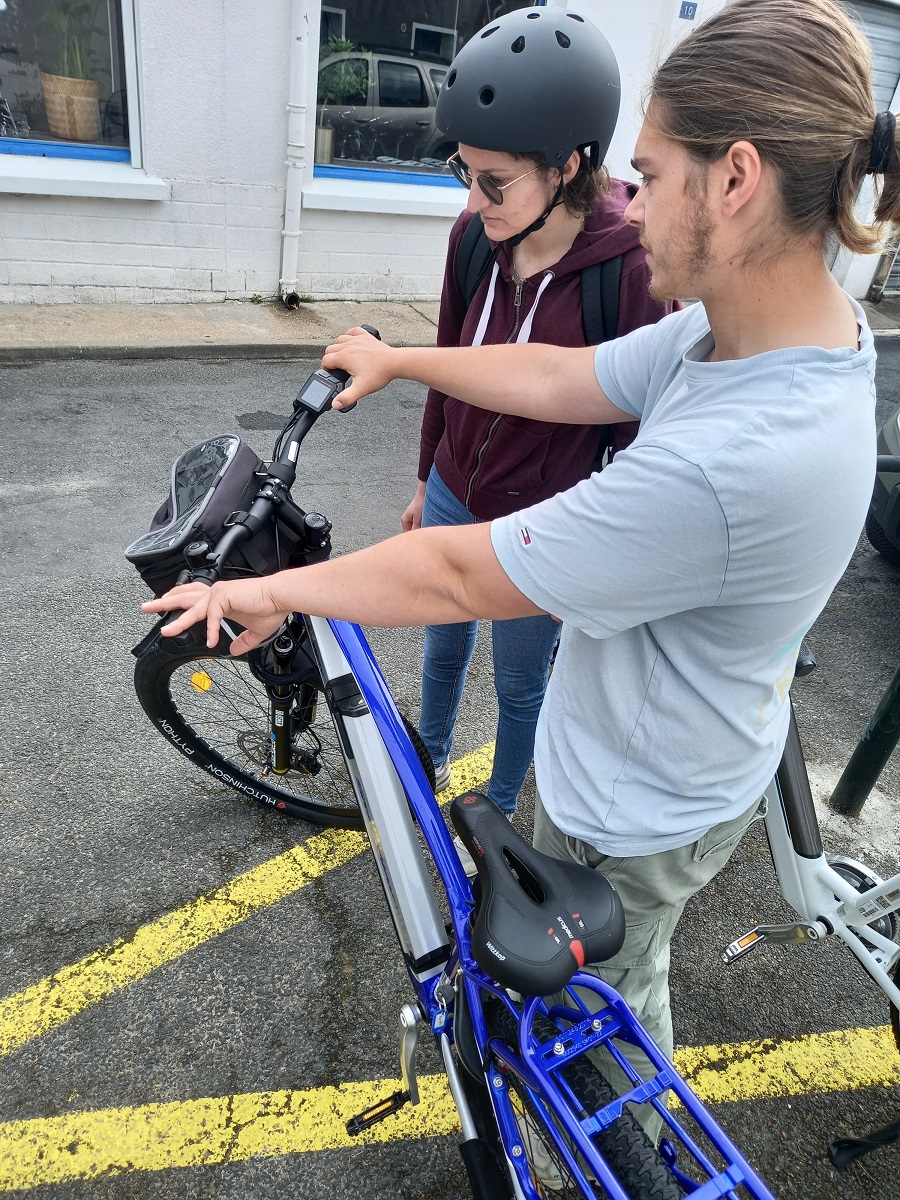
(105,830)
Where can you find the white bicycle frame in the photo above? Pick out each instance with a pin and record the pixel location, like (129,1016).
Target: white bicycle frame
(828,905)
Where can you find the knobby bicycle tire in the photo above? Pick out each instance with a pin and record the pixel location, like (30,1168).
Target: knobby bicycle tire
(879,541)
(629,1152)
(215,711)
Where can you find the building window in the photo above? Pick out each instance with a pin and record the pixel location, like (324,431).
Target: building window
(380,72)
(429,39)
(332,24)
(63,79)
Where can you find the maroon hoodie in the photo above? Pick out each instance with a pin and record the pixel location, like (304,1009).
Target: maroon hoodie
(497,464)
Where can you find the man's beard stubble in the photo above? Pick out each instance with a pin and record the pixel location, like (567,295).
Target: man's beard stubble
(676,273)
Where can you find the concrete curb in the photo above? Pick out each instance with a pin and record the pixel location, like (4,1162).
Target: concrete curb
(24,355)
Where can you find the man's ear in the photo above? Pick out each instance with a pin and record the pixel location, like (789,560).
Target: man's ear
(739,175)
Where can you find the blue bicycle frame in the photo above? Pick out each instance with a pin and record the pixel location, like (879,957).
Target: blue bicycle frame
(538,1064)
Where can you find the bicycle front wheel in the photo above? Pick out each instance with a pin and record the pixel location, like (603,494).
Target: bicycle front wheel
(629,1152)
(216,713)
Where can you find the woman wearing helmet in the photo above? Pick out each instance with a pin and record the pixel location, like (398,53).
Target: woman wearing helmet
(532,101)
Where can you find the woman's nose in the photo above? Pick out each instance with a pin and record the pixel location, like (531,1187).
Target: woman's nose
(477,201)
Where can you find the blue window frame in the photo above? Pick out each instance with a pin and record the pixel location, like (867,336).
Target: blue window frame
(374,175)
(63,90)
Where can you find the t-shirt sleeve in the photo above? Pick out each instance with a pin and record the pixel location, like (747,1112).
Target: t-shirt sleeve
(624,367)
(639,541)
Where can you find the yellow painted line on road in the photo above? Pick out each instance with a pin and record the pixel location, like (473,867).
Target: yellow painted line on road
(214,1130)
(820,1062)
(58,998)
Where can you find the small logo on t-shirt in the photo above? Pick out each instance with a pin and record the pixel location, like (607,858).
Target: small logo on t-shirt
(526,536)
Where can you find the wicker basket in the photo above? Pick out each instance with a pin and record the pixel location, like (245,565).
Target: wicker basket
(73,107)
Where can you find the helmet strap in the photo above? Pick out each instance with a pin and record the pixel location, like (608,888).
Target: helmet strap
(542,219)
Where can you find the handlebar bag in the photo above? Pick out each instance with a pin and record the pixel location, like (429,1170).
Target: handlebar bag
(211,485)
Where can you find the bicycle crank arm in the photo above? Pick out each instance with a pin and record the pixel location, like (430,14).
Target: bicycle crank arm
(783,935)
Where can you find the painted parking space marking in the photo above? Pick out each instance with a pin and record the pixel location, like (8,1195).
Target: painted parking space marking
(841,1061)
(208,1131)
(214,1130)
(58,998)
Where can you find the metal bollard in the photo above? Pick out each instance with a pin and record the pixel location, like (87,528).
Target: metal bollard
(867,760)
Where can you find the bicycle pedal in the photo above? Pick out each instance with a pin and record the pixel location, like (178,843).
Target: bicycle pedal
(371,1116)
(784,935)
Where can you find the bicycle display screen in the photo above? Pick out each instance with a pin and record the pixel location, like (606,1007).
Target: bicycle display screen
(319,390)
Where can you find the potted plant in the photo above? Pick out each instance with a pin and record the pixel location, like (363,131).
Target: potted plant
(71,97)
(340,81)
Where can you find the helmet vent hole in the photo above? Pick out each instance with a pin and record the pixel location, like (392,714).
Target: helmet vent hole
(486,96)
(519,45)
(532,16)
(451,79)
(488,32)
(575,17)
(563,40)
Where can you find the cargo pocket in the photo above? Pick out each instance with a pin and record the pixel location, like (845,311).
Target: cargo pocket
(722,839)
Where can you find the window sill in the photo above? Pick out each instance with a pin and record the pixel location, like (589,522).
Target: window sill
(26,175)
(407,199)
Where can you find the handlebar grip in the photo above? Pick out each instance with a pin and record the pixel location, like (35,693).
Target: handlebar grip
(192,637)
(370,329)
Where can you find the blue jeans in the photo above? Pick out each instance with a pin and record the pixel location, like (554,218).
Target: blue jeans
(522,649)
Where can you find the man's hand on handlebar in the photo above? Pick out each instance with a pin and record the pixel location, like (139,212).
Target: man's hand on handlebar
(247,601)
(366,359)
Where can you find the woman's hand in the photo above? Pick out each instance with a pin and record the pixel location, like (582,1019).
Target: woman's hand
(247,601)
(367,359)
(412,518)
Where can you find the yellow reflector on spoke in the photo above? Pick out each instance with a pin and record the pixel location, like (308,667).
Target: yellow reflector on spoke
(200,681)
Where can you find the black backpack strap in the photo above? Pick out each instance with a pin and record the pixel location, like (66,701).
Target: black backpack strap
(473,258)
(600,285)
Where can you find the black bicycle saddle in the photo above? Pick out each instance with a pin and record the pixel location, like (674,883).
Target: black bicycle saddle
(538,919)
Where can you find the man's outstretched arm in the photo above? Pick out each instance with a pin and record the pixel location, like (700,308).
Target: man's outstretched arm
(428,577)
(545,383)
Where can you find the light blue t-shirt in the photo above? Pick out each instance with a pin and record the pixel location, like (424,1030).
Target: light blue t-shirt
(686,574)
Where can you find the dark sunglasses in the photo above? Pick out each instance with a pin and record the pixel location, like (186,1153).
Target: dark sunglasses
(491,188)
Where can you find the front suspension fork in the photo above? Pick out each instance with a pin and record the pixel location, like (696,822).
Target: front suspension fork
(280,703)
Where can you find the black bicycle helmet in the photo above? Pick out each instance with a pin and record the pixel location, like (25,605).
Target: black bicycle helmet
(539,79)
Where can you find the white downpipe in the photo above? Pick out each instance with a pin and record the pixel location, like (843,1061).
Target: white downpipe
(296,152)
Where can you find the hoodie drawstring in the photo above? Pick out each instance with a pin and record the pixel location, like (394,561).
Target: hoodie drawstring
(525,331)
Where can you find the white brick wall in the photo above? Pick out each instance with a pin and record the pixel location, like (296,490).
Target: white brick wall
(211,241)
(371,256)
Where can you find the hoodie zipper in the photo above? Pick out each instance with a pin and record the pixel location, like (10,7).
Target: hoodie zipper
(518,306)
(479,457)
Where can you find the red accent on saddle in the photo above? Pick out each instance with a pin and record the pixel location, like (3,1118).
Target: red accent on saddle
(578,951)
